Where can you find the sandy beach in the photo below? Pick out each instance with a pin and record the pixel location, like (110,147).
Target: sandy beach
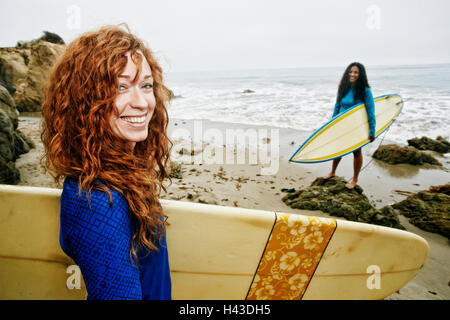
(257,184)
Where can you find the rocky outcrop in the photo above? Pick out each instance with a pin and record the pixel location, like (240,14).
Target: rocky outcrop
(439,145)
(13,143)
(24,70)
(331,196)
(30,90)
(13,67)
(48,37)
(8,106)
(428,210)
(175,170)
(394,154)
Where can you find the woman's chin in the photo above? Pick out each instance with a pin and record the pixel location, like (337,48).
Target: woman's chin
(137,138)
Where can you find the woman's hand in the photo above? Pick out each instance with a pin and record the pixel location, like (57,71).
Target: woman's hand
(371,138)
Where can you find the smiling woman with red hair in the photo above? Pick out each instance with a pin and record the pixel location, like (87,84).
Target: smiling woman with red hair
(104,132)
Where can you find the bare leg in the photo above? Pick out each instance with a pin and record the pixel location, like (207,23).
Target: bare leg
(357,164)
(333,168)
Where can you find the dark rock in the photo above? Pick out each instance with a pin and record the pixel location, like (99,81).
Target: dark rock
(52,37)
(248,91)
(442,189)
(184,151)
(388,215)
(22,144)
(8,172)
(175,170)
(13,143)
(394,154)
(428,210)
(171,95)
(331,196)
(47,36)
(439,145)
(288,190)
(7,104)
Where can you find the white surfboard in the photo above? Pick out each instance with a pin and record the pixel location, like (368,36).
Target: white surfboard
(218,252)
(348,131)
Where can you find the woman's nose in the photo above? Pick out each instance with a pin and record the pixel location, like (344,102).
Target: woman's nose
(138,99)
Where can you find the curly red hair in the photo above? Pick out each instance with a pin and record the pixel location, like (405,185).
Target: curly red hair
(79,141)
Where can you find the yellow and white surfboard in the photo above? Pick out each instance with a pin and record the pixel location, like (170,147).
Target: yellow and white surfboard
(218,252)
(348,131)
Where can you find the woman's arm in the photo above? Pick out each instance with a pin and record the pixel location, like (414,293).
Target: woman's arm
(336,108)
(370,108)
(98,238)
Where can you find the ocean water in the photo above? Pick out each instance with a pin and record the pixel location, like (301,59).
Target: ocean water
(303,98)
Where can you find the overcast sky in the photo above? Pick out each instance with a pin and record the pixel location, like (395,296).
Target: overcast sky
(197,35)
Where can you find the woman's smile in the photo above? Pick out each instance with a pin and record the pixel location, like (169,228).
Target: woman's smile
(134,119)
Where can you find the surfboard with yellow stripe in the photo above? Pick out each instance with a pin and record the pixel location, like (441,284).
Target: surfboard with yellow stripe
(348,131)
(218,252)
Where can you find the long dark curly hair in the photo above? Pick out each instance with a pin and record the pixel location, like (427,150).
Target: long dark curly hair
(360,86)
(79,141)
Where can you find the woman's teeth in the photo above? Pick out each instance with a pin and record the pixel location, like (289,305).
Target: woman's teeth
(134,119)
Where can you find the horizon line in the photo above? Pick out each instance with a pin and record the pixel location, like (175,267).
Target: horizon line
(310,67)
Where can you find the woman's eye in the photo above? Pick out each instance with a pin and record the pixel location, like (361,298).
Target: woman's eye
(147,86)
(122,87)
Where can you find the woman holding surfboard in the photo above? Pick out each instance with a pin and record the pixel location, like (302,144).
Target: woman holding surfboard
(353,89)
(104,132)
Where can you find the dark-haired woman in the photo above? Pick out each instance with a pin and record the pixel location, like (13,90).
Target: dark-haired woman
(354,89)
(104,132)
